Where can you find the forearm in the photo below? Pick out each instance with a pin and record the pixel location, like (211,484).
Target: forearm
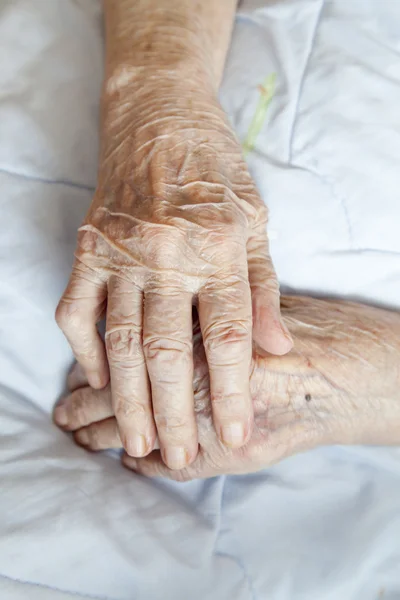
(182,37)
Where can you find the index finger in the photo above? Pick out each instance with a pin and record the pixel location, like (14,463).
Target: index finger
(79,310)
(226,324)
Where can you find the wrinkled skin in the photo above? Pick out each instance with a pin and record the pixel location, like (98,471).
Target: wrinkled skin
(175,221)
(339,385)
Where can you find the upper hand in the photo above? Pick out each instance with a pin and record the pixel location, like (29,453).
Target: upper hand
(176,220)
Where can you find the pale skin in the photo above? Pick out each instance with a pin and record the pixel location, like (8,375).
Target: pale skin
(339,385)
(175,221)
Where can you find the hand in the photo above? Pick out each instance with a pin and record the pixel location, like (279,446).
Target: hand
(176,220)
(340,385)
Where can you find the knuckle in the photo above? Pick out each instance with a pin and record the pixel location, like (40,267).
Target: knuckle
(229,334)
(71,321)
(259,225)
(94,438)
(227,215)
(131,409)
(168,352)
(176,427)
(232,286)
(65,315)
(124,344)
(86,243)
(234,404)
(78,412)
(233,224)
(164,248)
(229,247)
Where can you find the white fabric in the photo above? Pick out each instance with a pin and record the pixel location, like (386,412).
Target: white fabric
(322,526)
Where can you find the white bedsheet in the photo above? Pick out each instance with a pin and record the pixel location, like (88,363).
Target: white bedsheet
(321,526)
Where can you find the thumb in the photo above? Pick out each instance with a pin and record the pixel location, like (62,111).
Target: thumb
(269,330)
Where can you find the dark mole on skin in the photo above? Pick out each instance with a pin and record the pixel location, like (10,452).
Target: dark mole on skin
(307,397)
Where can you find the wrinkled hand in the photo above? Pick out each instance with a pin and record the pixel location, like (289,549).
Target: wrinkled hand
(89,414)
(340,385)
(175,221)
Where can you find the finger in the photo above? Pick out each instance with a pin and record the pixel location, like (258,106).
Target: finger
(76,378)
(225,319)
(154,466)
(129,381)
(167,341)
(83,407)
(99,436)
(78,313)
(269,329)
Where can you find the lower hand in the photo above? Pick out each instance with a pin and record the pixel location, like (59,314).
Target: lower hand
(340,385)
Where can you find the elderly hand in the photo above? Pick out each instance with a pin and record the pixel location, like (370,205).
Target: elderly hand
(176,220)
(339,385)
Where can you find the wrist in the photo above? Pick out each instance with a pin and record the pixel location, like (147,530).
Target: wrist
(126,77)
(146,111)
(183,36)
(168,45)
(135,89)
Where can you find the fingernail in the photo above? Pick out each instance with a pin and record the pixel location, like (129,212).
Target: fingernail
(137,446)
(233,435)
(61,415)
(176,457)
(82,437)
